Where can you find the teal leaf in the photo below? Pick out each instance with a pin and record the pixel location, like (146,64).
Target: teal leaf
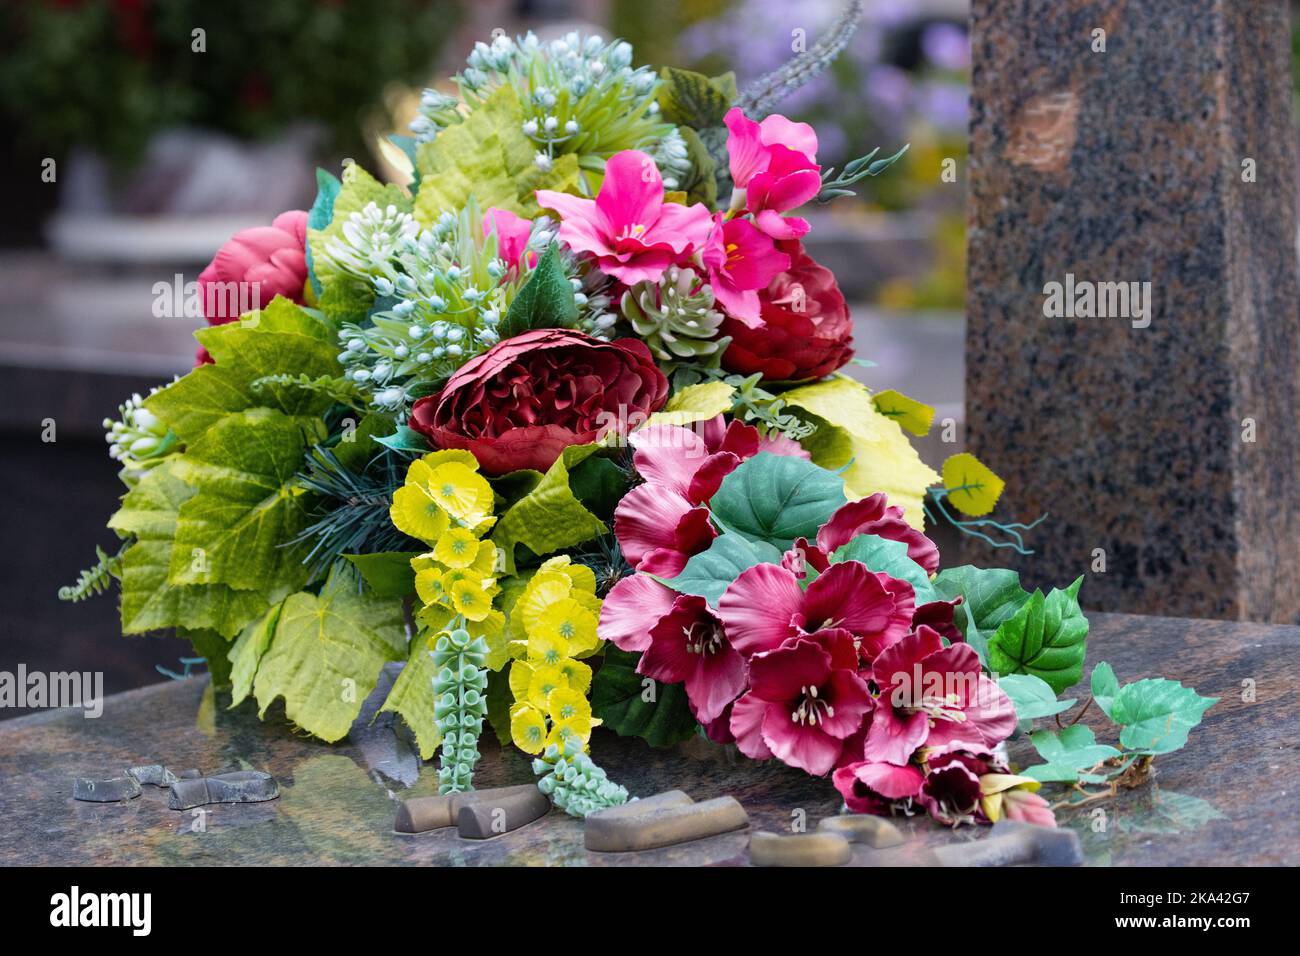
(708,573)
(1066,753)
(1047,637)
(777,498)
(1032,697)
(618,697)
(1105,685)
(320,214)
(405,439)
(546,300)
(1157,713)
(889,557)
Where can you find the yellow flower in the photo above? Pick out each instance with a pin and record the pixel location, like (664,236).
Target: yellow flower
(544,589)
(528,728)
(470,598)
(435,458)
(570,710)
(463,493)
(457,548)
(521,676)
(416,513)
(485,560)
(430,586)
(547,648)
(546,678)
(568,621)
(577,675)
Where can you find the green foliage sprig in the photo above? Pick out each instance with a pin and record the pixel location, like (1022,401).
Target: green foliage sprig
(460,689)
(97,578)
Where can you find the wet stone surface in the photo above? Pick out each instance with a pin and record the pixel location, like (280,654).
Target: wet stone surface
(1216,801)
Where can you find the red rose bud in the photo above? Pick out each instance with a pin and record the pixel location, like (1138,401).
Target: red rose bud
(254,267)
(803,330)
(522,402)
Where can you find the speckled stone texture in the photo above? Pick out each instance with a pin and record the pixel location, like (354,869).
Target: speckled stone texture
(1127,166)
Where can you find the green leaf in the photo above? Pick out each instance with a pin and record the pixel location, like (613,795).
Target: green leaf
(246,654)
(695,100)
(406,439)
(777,498)
(1047,637)
(882,554)
(365,443)
(618,698)
(412,696)
(358,189)
(1066,753)
(708,573)
(1032,697)
(599,484)
(213,648)
(327,653)
(695,403)
(1157,713)
(914,416)
(282,336)
(247,505)
(993,595)
(546,300)
(499,699)
(550,517)
(320,215)
(149,603)
(488,157)
(701,183)
(388,573)
(1105,685)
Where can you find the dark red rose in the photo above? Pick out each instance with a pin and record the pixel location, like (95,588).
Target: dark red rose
(522,402)
(804,330)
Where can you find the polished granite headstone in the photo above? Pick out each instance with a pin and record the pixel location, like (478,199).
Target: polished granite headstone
(1136,165)
(1227,798)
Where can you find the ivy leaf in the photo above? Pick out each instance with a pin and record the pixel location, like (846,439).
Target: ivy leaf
(882,554)
(247,504)
(1047,637)
(489,157)
(872,450)
(412,696)
(971,486)
(708,573)
(1066,753)
(387,573)
(777,498)
(914,416)
(1157,714)
(149,603)
(327,652)
(1032,697)
(618,698)
(546,300)
(550,517)
(1105,685)
(694,100)
(991,595)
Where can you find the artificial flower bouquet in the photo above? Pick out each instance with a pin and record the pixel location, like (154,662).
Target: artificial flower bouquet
(563,425)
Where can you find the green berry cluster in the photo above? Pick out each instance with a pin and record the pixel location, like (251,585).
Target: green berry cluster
(460,704)
(573,781)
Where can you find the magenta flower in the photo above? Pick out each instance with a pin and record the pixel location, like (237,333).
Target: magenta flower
(873,515)
(512,235)
(741,260)
(633,234)
(951,792)
(775,163)
(662,523)
(933,695)
(870,787)
(812,700)
(766,606)
(688,646)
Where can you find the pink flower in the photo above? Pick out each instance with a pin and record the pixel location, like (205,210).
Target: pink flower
(688,646)
(512,235)
(254,267)
(1028,807)
(933,695)
(633,234)
(869,787)
(951,792)
(811,700)
(662,523)
(775,163)
(873,515)
(766,606)
(741,260)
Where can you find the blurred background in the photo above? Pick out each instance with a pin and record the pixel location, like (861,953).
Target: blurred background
(132,155)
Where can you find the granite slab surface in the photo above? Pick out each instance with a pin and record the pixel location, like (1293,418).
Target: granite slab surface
(1228,798)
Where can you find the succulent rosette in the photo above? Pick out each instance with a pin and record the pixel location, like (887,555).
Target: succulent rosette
(568,416)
